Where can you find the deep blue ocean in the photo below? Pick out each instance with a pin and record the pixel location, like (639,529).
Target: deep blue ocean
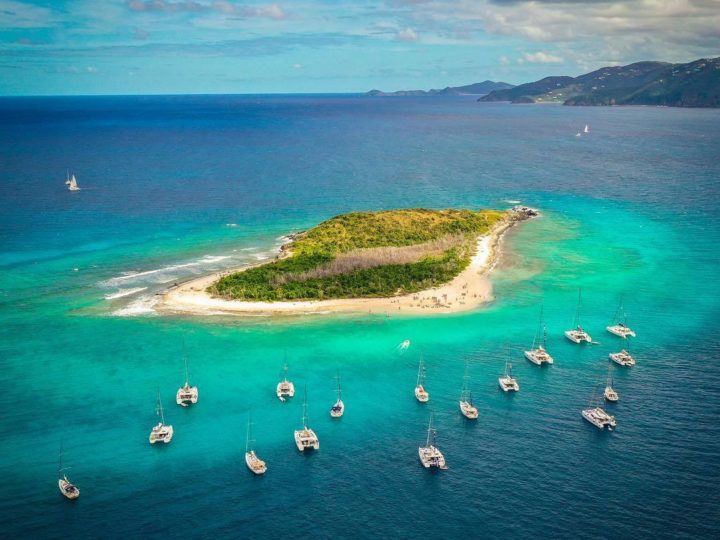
(177,186)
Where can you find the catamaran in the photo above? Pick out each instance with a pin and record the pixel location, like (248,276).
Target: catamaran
(337,410)
(610,393)
(186,394)
(420,393)
(254,463)
(161,432)
(305,438)
(285,389)
(429,455)
(578,335)
(71,182)
(539,355)
(597,416)
(507,382)
(467,408)
(620,329)
(68,489)
(623,358)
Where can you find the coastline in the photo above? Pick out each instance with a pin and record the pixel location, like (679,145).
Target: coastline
(467,291)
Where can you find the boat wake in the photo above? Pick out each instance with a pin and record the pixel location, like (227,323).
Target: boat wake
(124,292)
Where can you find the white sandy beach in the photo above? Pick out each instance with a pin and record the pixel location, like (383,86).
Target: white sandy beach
(470,289)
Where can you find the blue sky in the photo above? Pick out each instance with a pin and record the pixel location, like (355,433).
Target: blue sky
(233,46)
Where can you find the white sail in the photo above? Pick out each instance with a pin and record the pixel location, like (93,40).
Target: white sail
(72,184)
(587,129)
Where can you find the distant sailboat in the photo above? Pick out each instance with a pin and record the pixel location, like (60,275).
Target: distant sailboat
(429,454)
(610,393)
(587,129)
(578,335)
(507,382)
(539,355)
(186,393)
(71,182)
(161,432)
(467,408)
(620,329)
(597,416)
(68,490)
(420,393)
(254,463)
(285,389)
(337,410)
(623,358)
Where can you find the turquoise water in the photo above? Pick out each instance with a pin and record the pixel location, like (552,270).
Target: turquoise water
(179,186)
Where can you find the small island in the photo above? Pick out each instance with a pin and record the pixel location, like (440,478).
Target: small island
(411,260)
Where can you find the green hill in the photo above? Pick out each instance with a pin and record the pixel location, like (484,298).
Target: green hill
(695,84)
(366,254)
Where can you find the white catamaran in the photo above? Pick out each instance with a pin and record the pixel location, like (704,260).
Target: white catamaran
(68,489)
(71,182)
(507,382)
(539,355)
(623,358)
(305,438)
(620,329)
(337,410)
(186,394)
(254,463)
(285,388)
(610,393)
(597,416)
(420,393)
(578,335)
(467,407)
(429,454)
(161,432)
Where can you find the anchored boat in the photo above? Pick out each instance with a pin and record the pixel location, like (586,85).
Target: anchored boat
(305,438)
(430,456)
(467,408)
(420,393)
(507,382)
(285,388)
(539,355)
(254,463)
(67,488)
(71,182)
(620,329)
(337,410)
(161,432)
(610,393)
(186,394)
(578,335)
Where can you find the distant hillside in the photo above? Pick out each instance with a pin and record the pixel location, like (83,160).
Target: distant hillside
(695,84)
(481,88)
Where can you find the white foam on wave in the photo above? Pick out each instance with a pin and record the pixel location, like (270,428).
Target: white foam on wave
(162,275)
(124,292)
(142,306)
(512,201)
(262,257)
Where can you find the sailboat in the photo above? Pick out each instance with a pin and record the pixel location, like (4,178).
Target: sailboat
(67,488)
(254,463)
(161,432)
(597,416)
(467,408)
(420,393)
(539,355)
(620,329)
(285,389)
(305,438)
(507,382)
(586,129)
(623,358)
(186,394)
(337,410)
(610,393)
(71,182)
(578,335)
(429,455)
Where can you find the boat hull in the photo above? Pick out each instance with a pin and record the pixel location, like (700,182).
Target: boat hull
(622,359)
(538,357)
(255,464)
(187,396)
(508,385)
(305,439)
(337,410)
(578,337)
(421,394)
(620,331)
(64,485)
(431,458)
(164,435)
(468,411)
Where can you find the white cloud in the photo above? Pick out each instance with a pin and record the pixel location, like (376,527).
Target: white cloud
(503,60)
(541,57)
(408,34)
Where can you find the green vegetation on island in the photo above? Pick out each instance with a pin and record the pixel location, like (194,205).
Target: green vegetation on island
(695,84)
(366,254)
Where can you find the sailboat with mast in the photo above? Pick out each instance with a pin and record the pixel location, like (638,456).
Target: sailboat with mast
(467,408)
(285,388)
(578,335)
(67,488)
(610,393)
(507,382)
(305,438)
(586,129)
(186,394)
(71,182)
(420,393)
(337,410)
(161,432)
(430,456)
(254,463)
(620,327)
(539,355)
(597,416)
(623,358)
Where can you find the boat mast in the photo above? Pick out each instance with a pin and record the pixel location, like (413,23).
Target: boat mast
(339,390)
(187,376)
(466,378)
(421,371)
(430,431)
(160,409)
(247,437)
(577,311)
(305,415)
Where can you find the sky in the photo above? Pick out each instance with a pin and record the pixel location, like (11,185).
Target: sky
(51,47)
